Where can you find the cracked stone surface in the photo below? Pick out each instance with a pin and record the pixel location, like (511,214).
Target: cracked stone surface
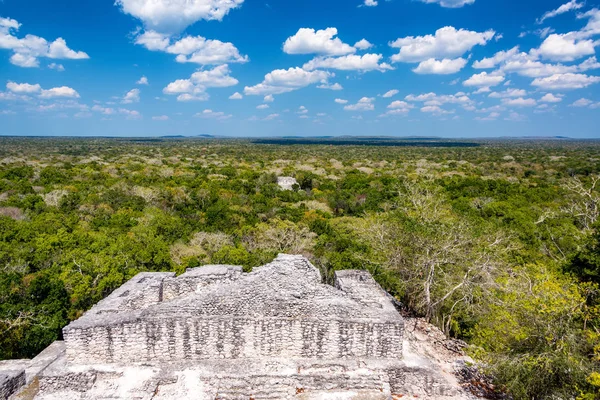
(218,333)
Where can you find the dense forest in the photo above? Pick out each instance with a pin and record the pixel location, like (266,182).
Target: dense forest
(496,242)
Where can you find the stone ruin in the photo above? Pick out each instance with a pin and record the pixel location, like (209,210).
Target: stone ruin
(286,182)
(215,332)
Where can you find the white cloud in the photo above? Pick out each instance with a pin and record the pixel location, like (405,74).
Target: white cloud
(570,6)
(593,25)
(236,96)
(286,80)
(56,67)
(213,114)
(433,99)
(363,44)
(370,3)
(59,49)
(194,88)
(448,42)
(566,47)
(364,104)
(179,86)
(160,118)
(133,96)
(262,107)
(131,114)
(440,67)
(192,49)
(341,101)
(508,93)
(271,117)
(185,97)
(23,88)
(334,86)
(390,93)
(323,42)
(565,81)
(484,80)
(491,117)
(351,62)
(103,110)
(302,110)
(550,98)
(153,41)
(143,81)
(399,104)
(216,77)
(519,102)
(28,50)
(62,91)
(173,16)
(449,3)
(435,110)
(269,98)
(582,103)
(497,59)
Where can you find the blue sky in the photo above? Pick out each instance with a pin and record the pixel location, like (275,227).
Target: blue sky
(452,68)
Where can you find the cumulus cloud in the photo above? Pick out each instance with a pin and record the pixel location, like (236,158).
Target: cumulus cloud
(262,107)
(63,91)
(566,47)
(363,44)
(130,114)
(213,115)
(440,67)
(269,98)
(23,88)
(390,93)
(498,58)
(449,3)
(508,93)
(56,67)
(484,80)
(236,96)
(364,104)
(341,101)
(550,98)
(352,62)
(322,42)
(133,96)
(519,102)
(565,81)
(28,50)
(448,42)
(192,49)
(195,87)
(570,6)
(370,3)
(286,80)
(173,16)
(334,86)
(583,102)
(143,81)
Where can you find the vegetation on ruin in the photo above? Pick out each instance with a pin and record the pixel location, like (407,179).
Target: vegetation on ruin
(497,243)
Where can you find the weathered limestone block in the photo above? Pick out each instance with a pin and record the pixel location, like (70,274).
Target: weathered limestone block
(196,279)
(12,377)
(279,310)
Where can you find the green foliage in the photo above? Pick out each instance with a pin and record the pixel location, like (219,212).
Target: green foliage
(495,244)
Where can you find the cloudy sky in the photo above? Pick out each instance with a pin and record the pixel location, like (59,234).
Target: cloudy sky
(453,68)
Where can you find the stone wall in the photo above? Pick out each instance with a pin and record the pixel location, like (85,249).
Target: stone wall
(233,338)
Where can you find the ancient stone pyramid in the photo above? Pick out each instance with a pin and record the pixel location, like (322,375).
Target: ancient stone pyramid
(215,332)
